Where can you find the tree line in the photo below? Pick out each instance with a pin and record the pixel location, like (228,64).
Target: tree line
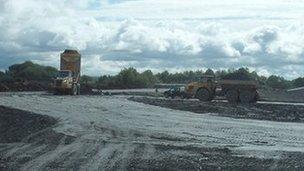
(131,78)
(27,71)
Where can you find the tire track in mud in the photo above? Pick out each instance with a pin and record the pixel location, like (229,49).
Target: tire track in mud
(142,156)
(100,159)
(51,155)
(124,151)
(118,150)
(74,159)
(94,154)
(24,155)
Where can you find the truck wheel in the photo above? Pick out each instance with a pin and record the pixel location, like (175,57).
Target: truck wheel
(56,92)
(203,95)
(247,96)
(183,96)
(232,96)
(78,89)
(74,90)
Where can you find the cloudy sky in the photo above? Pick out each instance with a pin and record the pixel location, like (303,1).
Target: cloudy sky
(175,35)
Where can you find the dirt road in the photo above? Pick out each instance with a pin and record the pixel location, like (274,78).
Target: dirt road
(113,133)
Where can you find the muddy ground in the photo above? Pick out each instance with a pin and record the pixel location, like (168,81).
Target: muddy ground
(20,128)
(17,125)
(266,94)
(262,110)
(113,133)
(281,95)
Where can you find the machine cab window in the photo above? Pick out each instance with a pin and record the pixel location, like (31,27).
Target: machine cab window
(64,74)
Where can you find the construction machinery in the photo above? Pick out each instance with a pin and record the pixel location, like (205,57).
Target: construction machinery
(176,92)
(235,91)
(67,81)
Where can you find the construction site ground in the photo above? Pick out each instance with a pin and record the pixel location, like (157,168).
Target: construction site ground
(39,131)
(262,110)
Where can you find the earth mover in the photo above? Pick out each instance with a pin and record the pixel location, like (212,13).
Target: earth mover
(67,80)
(235,91)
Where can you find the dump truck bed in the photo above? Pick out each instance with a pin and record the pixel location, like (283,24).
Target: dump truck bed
(70,60)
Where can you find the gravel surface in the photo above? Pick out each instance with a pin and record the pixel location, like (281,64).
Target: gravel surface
(113,133)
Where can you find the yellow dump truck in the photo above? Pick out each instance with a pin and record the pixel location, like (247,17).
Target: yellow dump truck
(234,90)
(67,80)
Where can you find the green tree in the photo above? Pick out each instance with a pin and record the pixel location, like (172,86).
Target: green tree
(148,78)
(85,79)
(164,77)
(299,82)
(209,72)
(129,78)
(2,74)
(277,82)
(107,82)
(31,72)
(221,74)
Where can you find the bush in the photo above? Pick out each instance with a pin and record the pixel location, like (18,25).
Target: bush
(277,82)
(299,82)
(29,71)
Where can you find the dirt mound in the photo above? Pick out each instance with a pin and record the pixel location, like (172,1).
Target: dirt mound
(281,95)
(21,129)
(273,112)
(24,86)
(21,126)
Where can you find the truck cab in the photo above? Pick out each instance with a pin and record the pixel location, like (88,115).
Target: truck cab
(63,79)
(204,89)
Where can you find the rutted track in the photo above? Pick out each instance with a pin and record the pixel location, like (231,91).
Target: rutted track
(113,133)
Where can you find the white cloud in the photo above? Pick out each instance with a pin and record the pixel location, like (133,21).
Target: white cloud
(242,34)
(178,9)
